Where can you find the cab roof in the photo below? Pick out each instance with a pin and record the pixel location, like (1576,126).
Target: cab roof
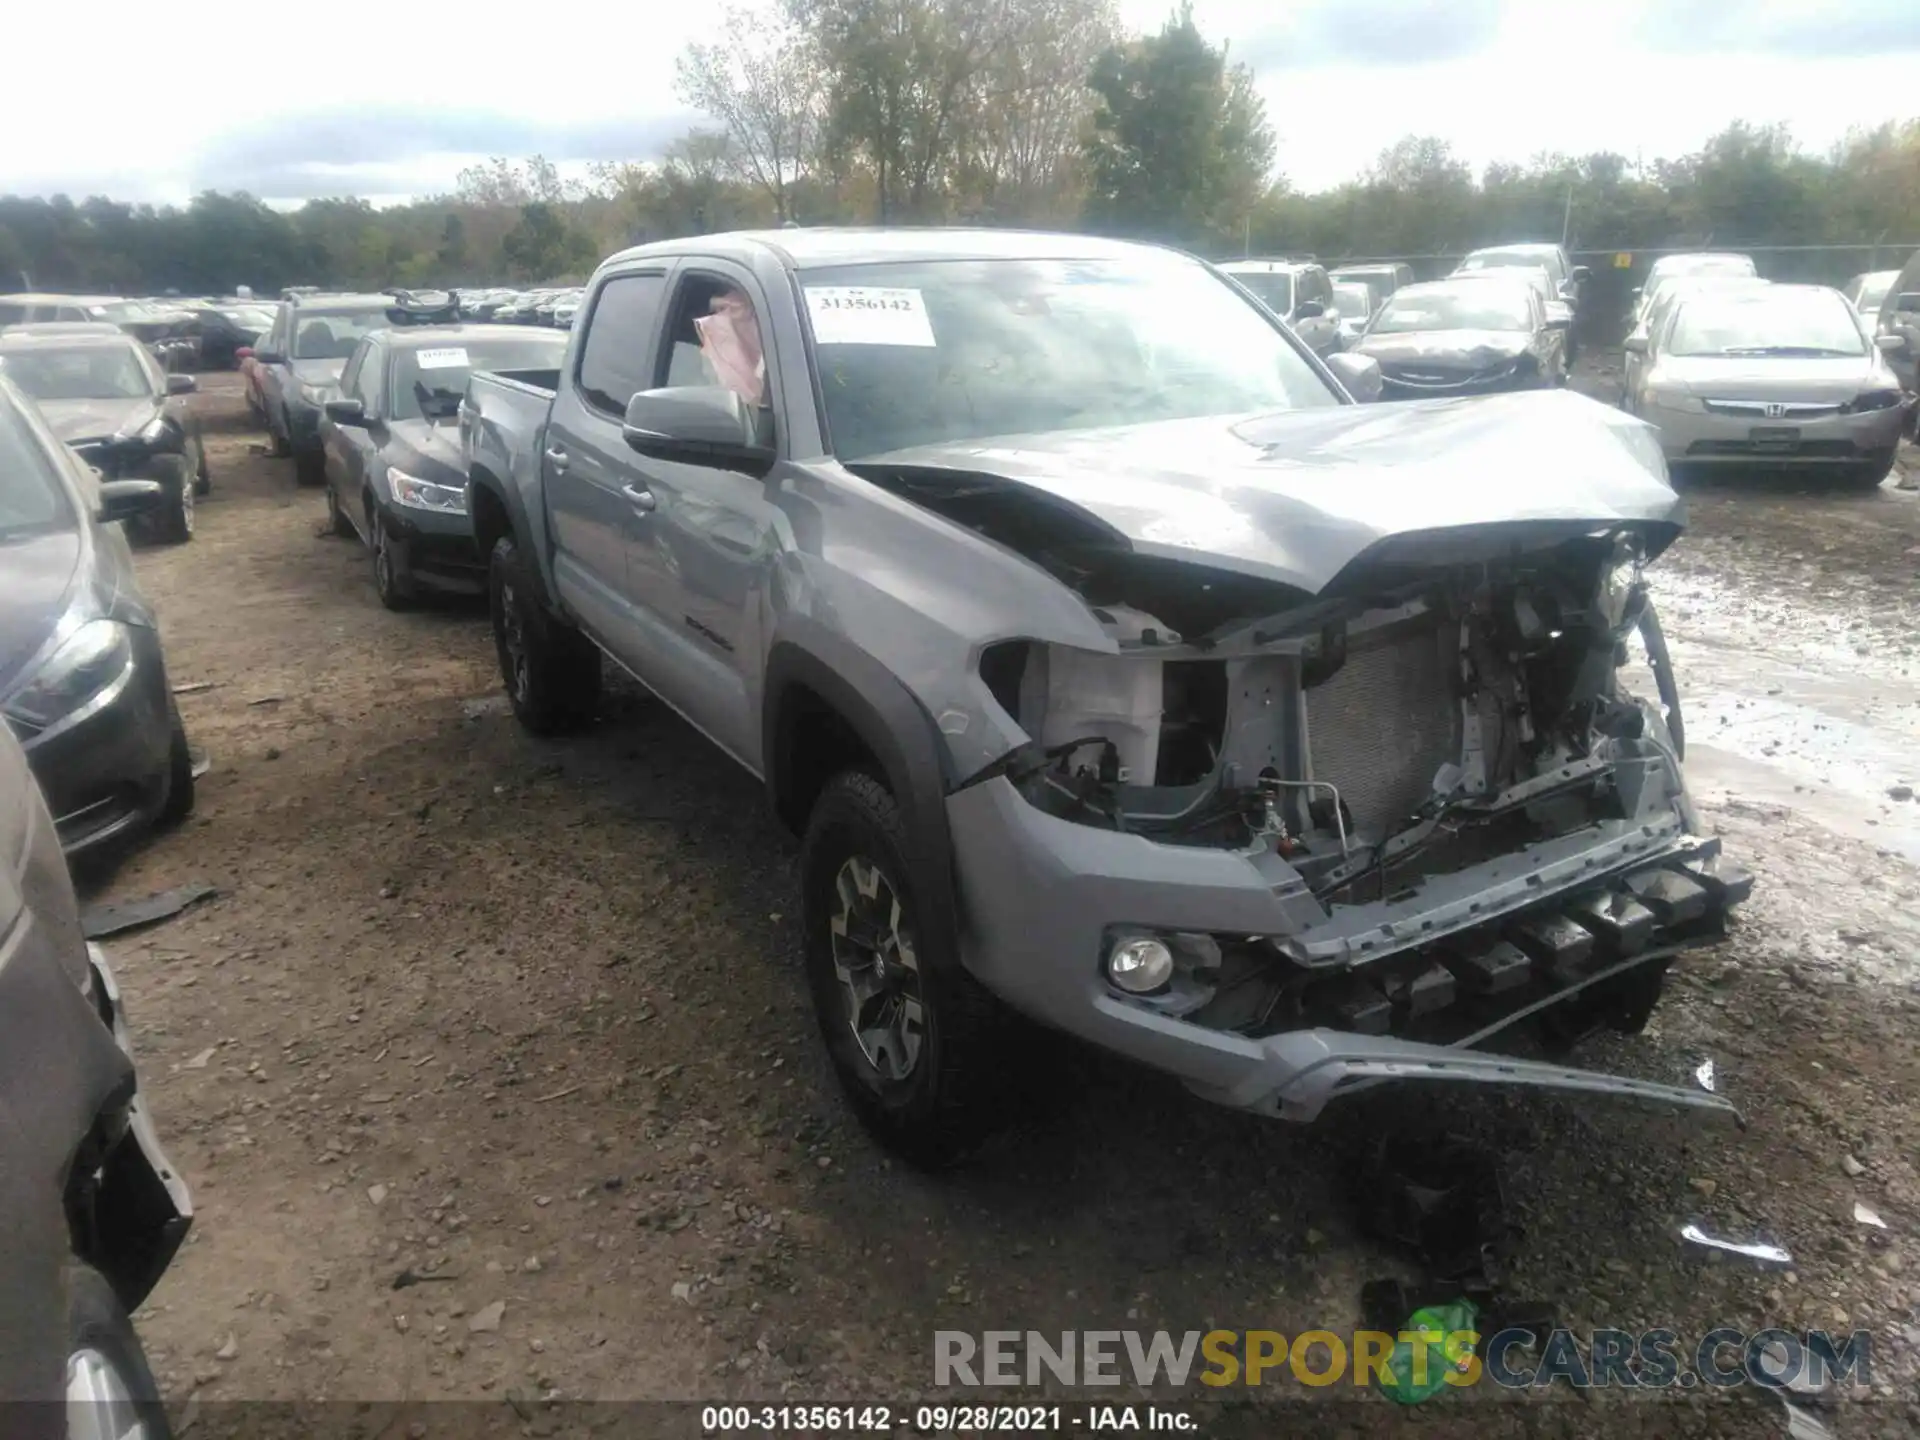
(828,246)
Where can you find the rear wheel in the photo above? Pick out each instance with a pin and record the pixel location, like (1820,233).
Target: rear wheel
(913,1042)
(111,1393)
(309,467)
(551,671)
(337,521)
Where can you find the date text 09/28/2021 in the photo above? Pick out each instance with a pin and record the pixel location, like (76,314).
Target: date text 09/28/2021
(941,1419)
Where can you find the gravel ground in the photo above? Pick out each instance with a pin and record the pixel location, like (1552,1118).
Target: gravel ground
(526,1018)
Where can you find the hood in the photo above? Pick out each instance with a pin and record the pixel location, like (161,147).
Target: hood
(1297,497)
(1468,349)
(36,575)
(73,420)
(324,374)
(1756,377)
(429,451)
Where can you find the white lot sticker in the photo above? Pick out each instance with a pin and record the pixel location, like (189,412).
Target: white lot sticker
(450,358)
(867,315)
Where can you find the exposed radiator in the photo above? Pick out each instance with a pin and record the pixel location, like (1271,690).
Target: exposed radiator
(1387,720)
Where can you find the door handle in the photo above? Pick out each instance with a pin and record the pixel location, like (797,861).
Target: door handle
(639,497)
(556,457)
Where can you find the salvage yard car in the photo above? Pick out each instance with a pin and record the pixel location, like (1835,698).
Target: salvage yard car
(108,398)
(1299,292)
(396,477)
(83,683)
(94,1209)
(1770,376)
(1569,280)
(297,366)
(1117,669)
(1466,337)
(1688,265)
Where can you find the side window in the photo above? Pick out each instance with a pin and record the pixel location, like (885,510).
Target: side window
(616,358)
(713,338)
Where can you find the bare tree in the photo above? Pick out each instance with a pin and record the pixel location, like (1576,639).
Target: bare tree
(762,84)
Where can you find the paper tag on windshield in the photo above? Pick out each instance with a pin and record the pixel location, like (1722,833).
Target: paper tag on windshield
(451,358)
(868,315)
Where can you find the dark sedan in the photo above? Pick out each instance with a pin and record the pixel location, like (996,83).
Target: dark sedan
(226,329)
(1465,337)
(83,684)
(395,474)
(108,398)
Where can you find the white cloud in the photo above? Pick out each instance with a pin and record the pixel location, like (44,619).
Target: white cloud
(294,100)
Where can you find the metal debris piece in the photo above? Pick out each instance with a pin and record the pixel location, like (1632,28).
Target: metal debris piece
(202,763)
(267,700)
(1867,1216)
(484,705)
(407,1279)
(1752,1249)
(199,1062)
(194,688)
(1705,1075)
(100,921)
(1802,1426)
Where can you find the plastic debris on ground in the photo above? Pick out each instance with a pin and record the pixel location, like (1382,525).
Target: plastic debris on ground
(1752,1249)
(100,921)
(1705,1075)
(1441,1330)
(1866,1215)
(1803,1426)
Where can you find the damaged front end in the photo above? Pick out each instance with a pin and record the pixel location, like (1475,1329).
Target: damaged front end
(1306,842)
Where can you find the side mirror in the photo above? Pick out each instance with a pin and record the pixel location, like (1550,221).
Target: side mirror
(1890,344)
(1580,274)
(1635,345)
(182,384)
(1309,310)
(346,412)
(269,357)
(697,425)
(127,499)
(1359,373)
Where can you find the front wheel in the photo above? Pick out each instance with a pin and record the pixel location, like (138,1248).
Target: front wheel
(392,573)
(551,671)
(309,468)
(173,522)
(110,1387)
(913,1042)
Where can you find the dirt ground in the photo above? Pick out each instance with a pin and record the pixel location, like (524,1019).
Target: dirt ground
(526,1018)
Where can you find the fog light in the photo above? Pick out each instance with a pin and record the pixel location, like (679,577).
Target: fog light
(1139,965)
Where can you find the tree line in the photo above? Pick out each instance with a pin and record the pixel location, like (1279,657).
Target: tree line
(997,112)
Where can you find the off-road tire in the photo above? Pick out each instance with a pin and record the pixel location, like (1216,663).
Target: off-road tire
(941,1111)
(180,783)
(393,580)
(98,1322)
(552,678)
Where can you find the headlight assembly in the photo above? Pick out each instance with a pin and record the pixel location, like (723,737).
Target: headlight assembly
(411,490)
(94,658)
(1672,400)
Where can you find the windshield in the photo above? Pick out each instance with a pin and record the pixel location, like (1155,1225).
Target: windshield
(1465,307)
(1766,323)
(32,501)
(1273,288)
(957,350)
(91,372)
(332,337)
(258,321)
(441,371)
(1353,300)
(1701,265)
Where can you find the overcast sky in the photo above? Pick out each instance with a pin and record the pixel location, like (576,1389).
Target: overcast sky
(296,100)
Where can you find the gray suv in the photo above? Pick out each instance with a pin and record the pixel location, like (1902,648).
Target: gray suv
(1299,292)
(1117,670)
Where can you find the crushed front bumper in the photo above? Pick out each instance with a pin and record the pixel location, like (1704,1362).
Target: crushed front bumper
(1041,897)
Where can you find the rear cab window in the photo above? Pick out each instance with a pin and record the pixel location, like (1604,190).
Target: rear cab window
(616,356)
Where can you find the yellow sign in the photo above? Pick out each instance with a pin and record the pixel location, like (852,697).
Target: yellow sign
(1623,261)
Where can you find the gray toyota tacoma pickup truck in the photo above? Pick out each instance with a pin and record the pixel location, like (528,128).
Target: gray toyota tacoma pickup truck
(1117,669)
